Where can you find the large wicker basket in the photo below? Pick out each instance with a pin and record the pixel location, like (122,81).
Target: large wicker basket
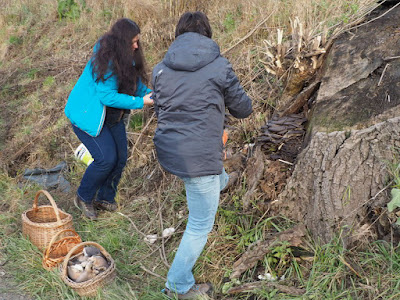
(41,223)
(59,246)
(90,287)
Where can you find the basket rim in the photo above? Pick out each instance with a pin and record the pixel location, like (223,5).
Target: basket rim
(99,277)
(48,261)
(63,221)
(51,200)
(90,289)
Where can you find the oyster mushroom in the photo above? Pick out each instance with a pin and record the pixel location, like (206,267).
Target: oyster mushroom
(75,271)
(100,264)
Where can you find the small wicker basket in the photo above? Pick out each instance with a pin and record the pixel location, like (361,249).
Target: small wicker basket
(41,223)
(59,246)
(88,288)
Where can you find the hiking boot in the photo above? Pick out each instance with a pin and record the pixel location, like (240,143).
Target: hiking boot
(86,208)
(233,177)
(105,205)
(195,291)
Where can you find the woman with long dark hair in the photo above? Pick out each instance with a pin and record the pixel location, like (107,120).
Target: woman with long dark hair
(111,84)
(192,87)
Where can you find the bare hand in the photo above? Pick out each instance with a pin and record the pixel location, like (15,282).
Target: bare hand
(147,100)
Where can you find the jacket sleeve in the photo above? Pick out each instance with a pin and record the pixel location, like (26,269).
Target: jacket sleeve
(108,93)
(153,83)
(236,99)
(141,89)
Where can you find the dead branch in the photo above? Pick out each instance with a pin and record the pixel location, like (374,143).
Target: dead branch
(301,99)
(152,273)
(248,287)
(250,258)
(391,57)
(285,162)
(254,171)
(315,52)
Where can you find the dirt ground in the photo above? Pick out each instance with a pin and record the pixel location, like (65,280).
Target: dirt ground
(8,287)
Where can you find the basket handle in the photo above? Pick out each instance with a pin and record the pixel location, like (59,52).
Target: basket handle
(50,198)
(54,238)
(68,256)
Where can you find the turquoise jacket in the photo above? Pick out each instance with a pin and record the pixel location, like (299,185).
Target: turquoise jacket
(86,105)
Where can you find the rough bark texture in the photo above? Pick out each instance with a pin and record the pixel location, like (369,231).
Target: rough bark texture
(338,178)
(353,134)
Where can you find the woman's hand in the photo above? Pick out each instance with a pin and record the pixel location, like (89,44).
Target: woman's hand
(147,100)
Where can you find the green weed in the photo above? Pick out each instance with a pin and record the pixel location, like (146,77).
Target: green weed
(229,22)
(48,82)
(15,40)
(136,121)
(32,74)
(68,9)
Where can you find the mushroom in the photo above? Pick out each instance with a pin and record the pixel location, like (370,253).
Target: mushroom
(100,264)
(90,251)
(86,274)
(75,271)
(78,259)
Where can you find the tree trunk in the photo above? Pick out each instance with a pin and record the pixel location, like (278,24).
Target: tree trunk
(340,177)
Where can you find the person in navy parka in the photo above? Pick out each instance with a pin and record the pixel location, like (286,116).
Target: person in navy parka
(192,86)
(110,85)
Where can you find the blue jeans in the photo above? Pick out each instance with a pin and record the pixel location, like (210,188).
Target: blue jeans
(110,152)
(202,195)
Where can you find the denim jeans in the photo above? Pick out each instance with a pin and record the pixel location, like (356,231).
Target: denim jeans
(110,152)
(202,195)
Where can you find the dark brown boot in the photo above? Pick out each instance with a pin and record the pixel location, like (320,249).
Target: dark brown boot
(105,205)
(86,208)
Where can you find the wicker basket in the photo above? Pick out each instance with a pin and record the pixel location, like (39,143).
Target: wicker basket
(41,223)
(59,246)
(88,288)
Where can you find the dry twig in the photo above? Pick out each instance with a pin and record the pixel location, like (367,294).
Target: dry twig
(133,224)
(152,273)
(141,134)
(391,57)
(162,249)
(383,73)
(263,284)
(249,34)
(374,19)
(341,258)
(301,99)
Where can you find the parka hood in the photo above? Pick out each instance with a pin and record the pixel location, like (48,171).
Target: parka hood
(191,51)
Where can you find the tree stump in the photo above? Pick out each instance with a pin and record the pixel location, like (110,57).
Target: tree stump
(341,175)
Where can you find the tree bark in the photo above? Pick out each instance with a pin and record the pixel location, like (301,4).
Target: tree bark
(353,135)
(339,177)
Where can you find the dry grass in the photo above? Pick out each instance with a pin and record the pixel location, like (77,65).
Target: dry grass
(36,44)
(41,58)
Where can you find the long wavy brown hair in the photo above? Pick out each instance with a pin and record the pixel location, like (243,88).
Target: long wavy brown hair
(115,54)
